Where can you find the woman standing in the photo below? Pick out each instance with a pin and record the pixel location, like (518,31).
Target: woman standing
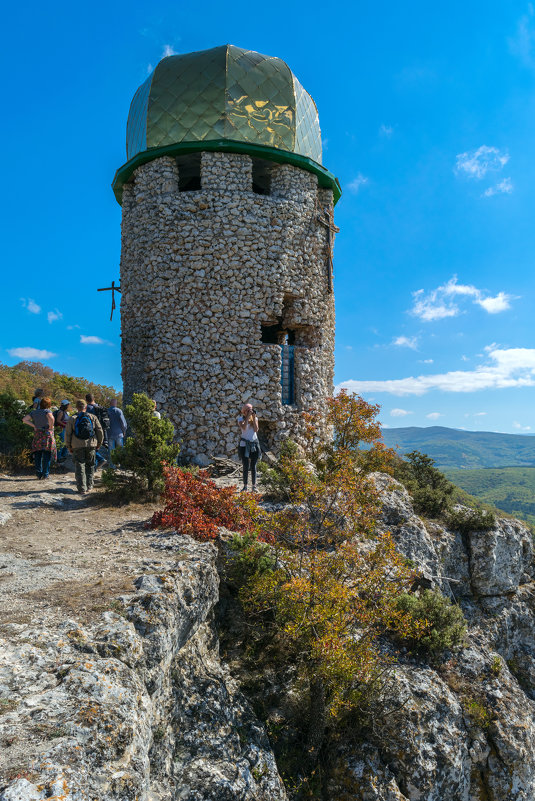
(249,447)
(44,443)
(62,417)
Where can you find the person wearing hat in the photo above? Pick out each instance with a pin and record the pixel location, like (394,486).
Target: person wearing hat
(62,417)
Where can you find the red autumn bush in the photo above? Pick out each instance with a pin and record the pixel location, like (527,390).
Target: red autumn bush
(194,505)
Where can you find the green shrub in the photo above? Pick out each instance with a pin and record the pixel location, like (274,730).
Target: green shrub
(446,622)
(274,480)
(465,520)
(250,557)
(430,489)
(15,436)
(144,452)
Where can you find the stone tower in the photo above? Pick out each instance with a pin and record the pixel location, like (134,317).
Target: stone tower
(227,236)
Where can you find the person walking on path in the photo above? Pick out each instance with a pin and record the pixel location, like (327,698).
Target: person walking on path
(102,416)
(83,437)
(249,447)
(117,430)
(62,418)
(44,442)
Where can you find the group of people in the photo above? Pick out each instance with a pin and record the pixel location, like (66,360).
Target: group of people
(83,434)
(93,427)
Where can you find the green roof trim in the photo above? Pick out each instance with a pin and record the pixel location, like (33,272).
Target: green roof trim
(325,178)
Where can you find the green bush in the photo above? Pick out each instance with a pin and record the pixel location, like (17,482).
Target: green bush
(144,452)
(446,622)
(15,436)
(274,480)
(430,489)
(250,557)
(465,520)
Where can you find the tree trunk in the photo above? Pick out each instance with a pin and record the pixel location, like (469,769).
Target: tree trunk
(317,722)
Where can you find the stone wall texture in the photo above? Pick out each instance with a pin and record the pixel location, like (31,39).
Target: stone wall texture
(201,272)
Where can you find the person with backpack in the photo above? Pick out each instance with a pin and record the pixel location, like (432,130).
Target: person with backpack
(104,419)
(83,437)
(61,418)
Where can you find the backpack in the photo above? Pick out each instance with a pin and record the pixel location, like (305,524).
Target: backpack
(83,426)
(56,412)
(103,417)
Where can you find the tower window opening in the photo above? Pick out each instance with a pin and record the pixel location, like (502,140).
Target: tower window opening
(189,172)
(261,177)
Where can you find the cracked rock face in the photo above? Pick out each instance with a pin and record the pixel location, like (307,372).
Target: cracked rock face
(137,707)
(463,730)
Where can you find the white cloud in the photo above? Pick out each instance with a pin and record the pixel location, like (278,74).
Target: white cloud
(426,361)
(521,45)
(506,368)
(406,342)
(439,303)
(480,414)
(477,163)
(357,182)
(93,340)
(168,50)
(386,130)
(31,353)
(521,427)
(399,412)
(72,327)
(31,305)
(505,187)
(434,415)
(494,305)
(54,315)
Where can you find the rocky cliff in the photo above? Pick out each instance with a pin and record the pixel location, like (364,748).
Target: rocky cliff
(140,706)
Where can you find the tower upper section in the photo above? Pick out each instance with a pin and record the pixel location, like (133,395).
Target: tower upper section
(225,99)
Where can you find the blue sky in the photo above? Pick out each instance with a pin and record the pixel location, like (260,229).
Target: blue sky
(428,119)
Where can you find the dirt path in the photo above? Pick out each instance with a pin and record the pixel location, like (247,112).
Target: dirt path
(66,555)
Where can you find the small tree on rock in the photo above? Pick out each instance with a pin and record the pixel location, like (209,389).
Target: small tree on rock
(149,446)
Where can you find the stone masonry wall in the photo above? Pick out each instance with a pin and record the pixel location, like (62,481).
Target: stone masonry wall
(201,272)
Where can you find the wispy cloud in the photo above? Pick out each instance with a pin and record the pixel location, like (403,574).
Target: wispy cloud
(426,361)
(477,163)
(439,303)
(521,427)
(399,412)
(52,316)
(168,50)
(505,368)
(522,44)
(31,353)
(406,342)
(358,182)
(91,340)
(480,414)
(30,305)
(505,187)
(72,327)
(434,415)
(386,131)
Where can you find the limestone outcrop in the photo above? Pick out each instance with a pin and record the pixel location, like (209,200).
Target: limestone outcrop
(140,705)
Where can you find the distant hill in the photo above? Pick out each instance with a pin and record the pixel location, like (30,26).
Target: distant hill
(511,489)
(452,448)
(23,378)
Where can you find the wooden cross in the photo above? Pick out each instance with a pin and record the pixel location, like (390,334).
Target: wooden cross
(114,289)
(326,219)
